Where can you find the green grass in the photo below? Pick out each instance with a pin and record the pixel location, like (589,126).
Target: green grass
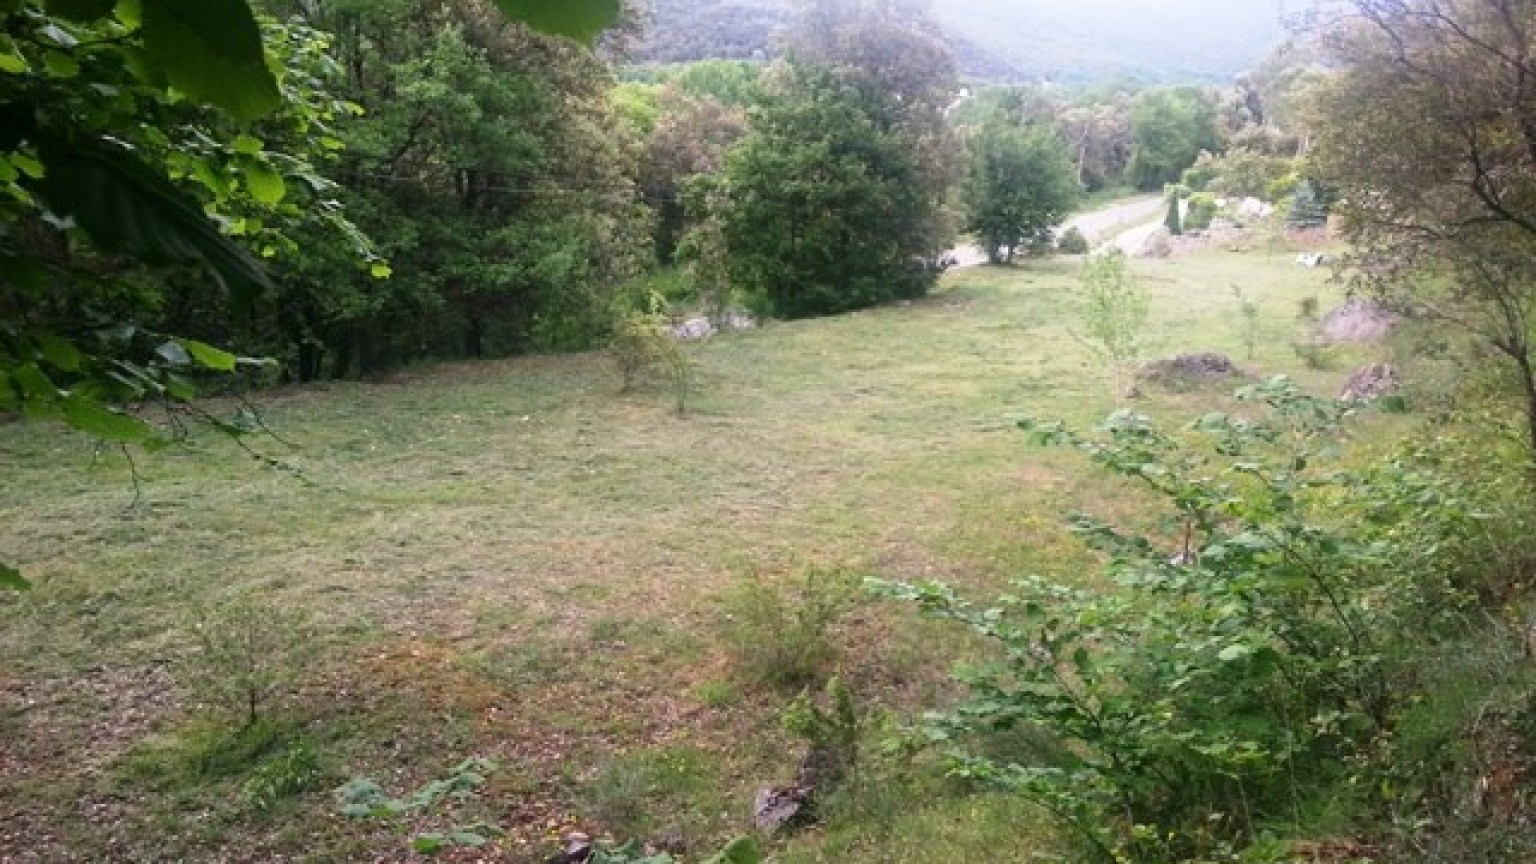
(510,560)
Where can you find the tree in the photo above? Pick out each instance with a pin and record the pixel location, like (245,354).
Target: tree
(1427,131)
(135,160)
(838,191)
(1114,314)
(1171,126)
(1019,187)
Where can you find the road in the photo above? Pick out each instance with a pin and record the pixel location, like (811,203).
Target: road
(1125,225)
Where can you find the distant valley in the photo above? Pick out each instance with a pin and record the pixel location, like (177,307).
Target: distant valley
(1068,41)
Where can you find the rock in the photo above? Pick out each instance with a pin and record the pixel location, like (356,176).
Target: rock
(578,850)
(775,807)
(1370,383)
(1159,244)
(1358,321)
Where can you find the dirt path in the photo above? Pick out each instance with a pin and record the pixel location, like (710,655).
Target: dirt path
(1125,225)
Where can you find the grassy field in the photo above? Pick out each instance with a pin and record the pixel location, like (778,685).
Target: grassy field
(511,560)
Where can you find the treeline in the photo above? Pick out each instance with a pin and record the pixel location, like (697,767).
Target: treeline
(441,181)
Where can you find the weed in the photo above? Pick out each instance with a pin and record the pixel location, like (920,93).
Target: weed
(676,788)
(717,694)
(785,638)
(247,653)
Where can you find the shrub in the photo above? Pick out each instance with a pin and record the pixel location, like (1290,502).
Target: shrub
(1171,221)
(1072,242)
(1114,314)
(1183,704)
(248,652)
(785,639)
(1202,209)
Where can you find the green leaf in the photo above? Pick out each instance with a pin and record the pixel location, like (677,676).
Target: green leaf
(246,145)
(93,418)
(128,209)
(380,270)
(1234,652)
(208,356)
(58,351)
(212,51)
(742,850)
(33,382)
(10,578)
(264,184)
(11,60)
(429,844)
(81,10)
(581,20)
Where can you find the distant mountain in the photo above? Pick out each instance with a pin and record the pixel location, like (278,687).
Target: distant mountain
(1069,41)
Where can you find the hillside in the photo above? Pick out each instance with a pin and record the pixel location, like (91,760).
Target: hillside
(1084,41)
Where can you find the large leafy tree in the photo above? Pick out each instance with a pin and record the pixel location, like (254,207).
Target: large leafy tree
(838,192)
(486,168)
(1019,187)
(1171,125)
(1427,132)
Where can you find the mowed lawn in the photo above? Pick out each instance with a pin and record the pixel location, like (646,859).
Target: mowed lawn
(513,560)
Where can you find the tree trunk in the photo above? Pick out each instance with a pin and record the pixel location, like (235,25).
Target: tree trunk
(1528,382)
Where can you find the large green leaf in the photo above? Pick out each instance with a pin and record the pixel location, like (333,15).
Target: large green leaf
(211,50)
(93,418)
(578,19)
(128,209)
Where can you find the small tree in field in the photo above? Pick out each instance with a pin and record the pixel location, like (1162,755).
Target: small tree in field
(1114,316)
(1019,186)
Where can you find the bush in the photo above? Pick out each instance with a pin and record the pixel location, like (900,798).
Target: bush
(1072,242)
(1227,676)
(1202,209)
(785,639)
(248,652)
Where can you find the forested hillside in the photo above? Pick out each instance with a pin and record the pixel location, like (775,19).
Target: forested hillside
(1199,40)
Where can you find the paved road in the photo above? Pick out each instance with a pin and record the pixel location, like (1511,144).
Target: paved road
(1125,225)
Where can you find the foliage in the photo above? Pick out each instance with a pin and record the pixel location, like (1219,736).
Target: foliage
(1172,220)
(1424,133)
(1309,209)
(837,193)
(786,637)
(1019,186)
(1072,242)
(742,850)
(1172,126)
(831,735)
(363,798)
(1239,173)
(1200,212)
(643,342)
(248,652)
(706,256)
(1222,680)
(490,168)
(1248,315)
(1113,315)
(683,153)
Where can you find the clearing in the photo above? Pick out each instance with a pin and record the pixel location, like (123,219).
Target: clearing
(509,560)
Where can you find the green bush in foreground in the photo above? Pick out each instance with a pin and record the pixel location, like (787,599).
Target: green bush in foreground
(1240,678)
